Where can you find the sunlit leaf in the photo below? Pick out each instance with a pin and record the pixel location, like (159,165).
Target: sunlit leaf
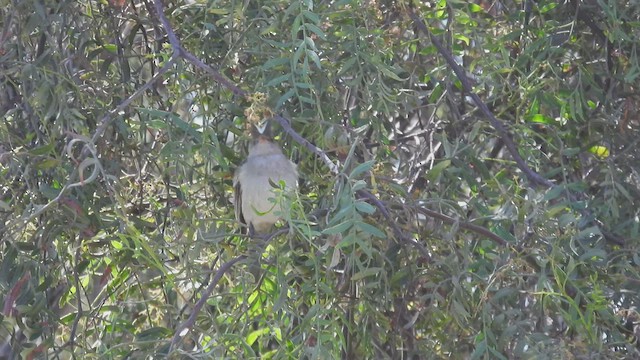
(600,151)
(437,170)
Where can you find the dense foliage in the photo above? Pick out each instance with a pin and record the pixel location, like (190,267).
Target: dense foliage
(488,209)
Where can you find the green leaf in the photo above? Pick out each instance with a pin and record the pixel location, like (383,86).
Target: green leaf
(277,44)
(112,48)
(271,63)
(589,233)
(313,17)
(347,65)
(338,229)
(594,255)
(285,97)
(553,193)
(295,27)
(315,58)
(311,45)
(480,350)
(342,213)
(437,169)
(540,119)
(373,271)
(306,99)
(301,85)
(600,151)
(278,80)
(297,55)
(358,185)
(463,38)
(44,149)
(47,163)
(371,230)
(316,30)
(548,7)
(572,151)
(157,124)
(387,71)
(365,207)
(218,11)
(254,335)
(474,8)
(361,168)
(117,245)
(503,233)
(154,333)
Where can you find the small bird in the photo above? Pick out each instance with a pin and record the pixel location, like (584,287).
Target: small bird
(252,182)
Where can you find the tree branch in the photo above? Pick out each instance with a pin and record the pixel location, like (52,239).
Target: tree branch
(191,320)
(463,224)
(177,48)
(394,225)
(503,133)
(533,176)
(286,126)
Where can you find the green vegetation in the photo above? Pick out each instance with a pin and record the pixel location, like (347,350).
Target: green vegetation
(470,179)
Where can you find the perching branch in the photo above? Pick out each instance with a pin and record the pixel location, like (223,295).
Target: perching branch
(177,48)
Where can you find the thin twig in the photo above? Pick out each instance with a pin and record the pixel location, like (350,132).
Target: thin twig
(204,296)
(79,314)
(90,149)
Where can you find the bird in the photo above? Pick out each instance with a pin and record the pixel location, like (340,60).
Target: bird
(254,181)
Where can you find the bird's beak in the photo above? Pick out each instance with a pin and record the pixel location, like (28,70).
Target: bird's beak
(261,126)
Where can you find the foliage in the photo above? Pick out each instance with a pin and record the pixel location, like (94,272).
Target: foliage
(430,242)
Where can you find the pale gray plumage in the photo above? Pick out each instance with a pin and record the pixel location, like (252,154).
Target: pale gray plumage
(253,189)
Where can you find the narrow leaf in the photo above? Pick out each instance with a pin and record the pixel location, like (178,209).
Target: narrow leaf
(361,168)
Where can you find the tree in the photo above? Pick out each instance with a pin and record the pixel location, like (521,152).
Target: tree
(469,182)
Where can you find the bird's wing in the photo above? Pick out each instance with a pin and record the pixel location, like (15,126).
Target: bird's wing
(237,201)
